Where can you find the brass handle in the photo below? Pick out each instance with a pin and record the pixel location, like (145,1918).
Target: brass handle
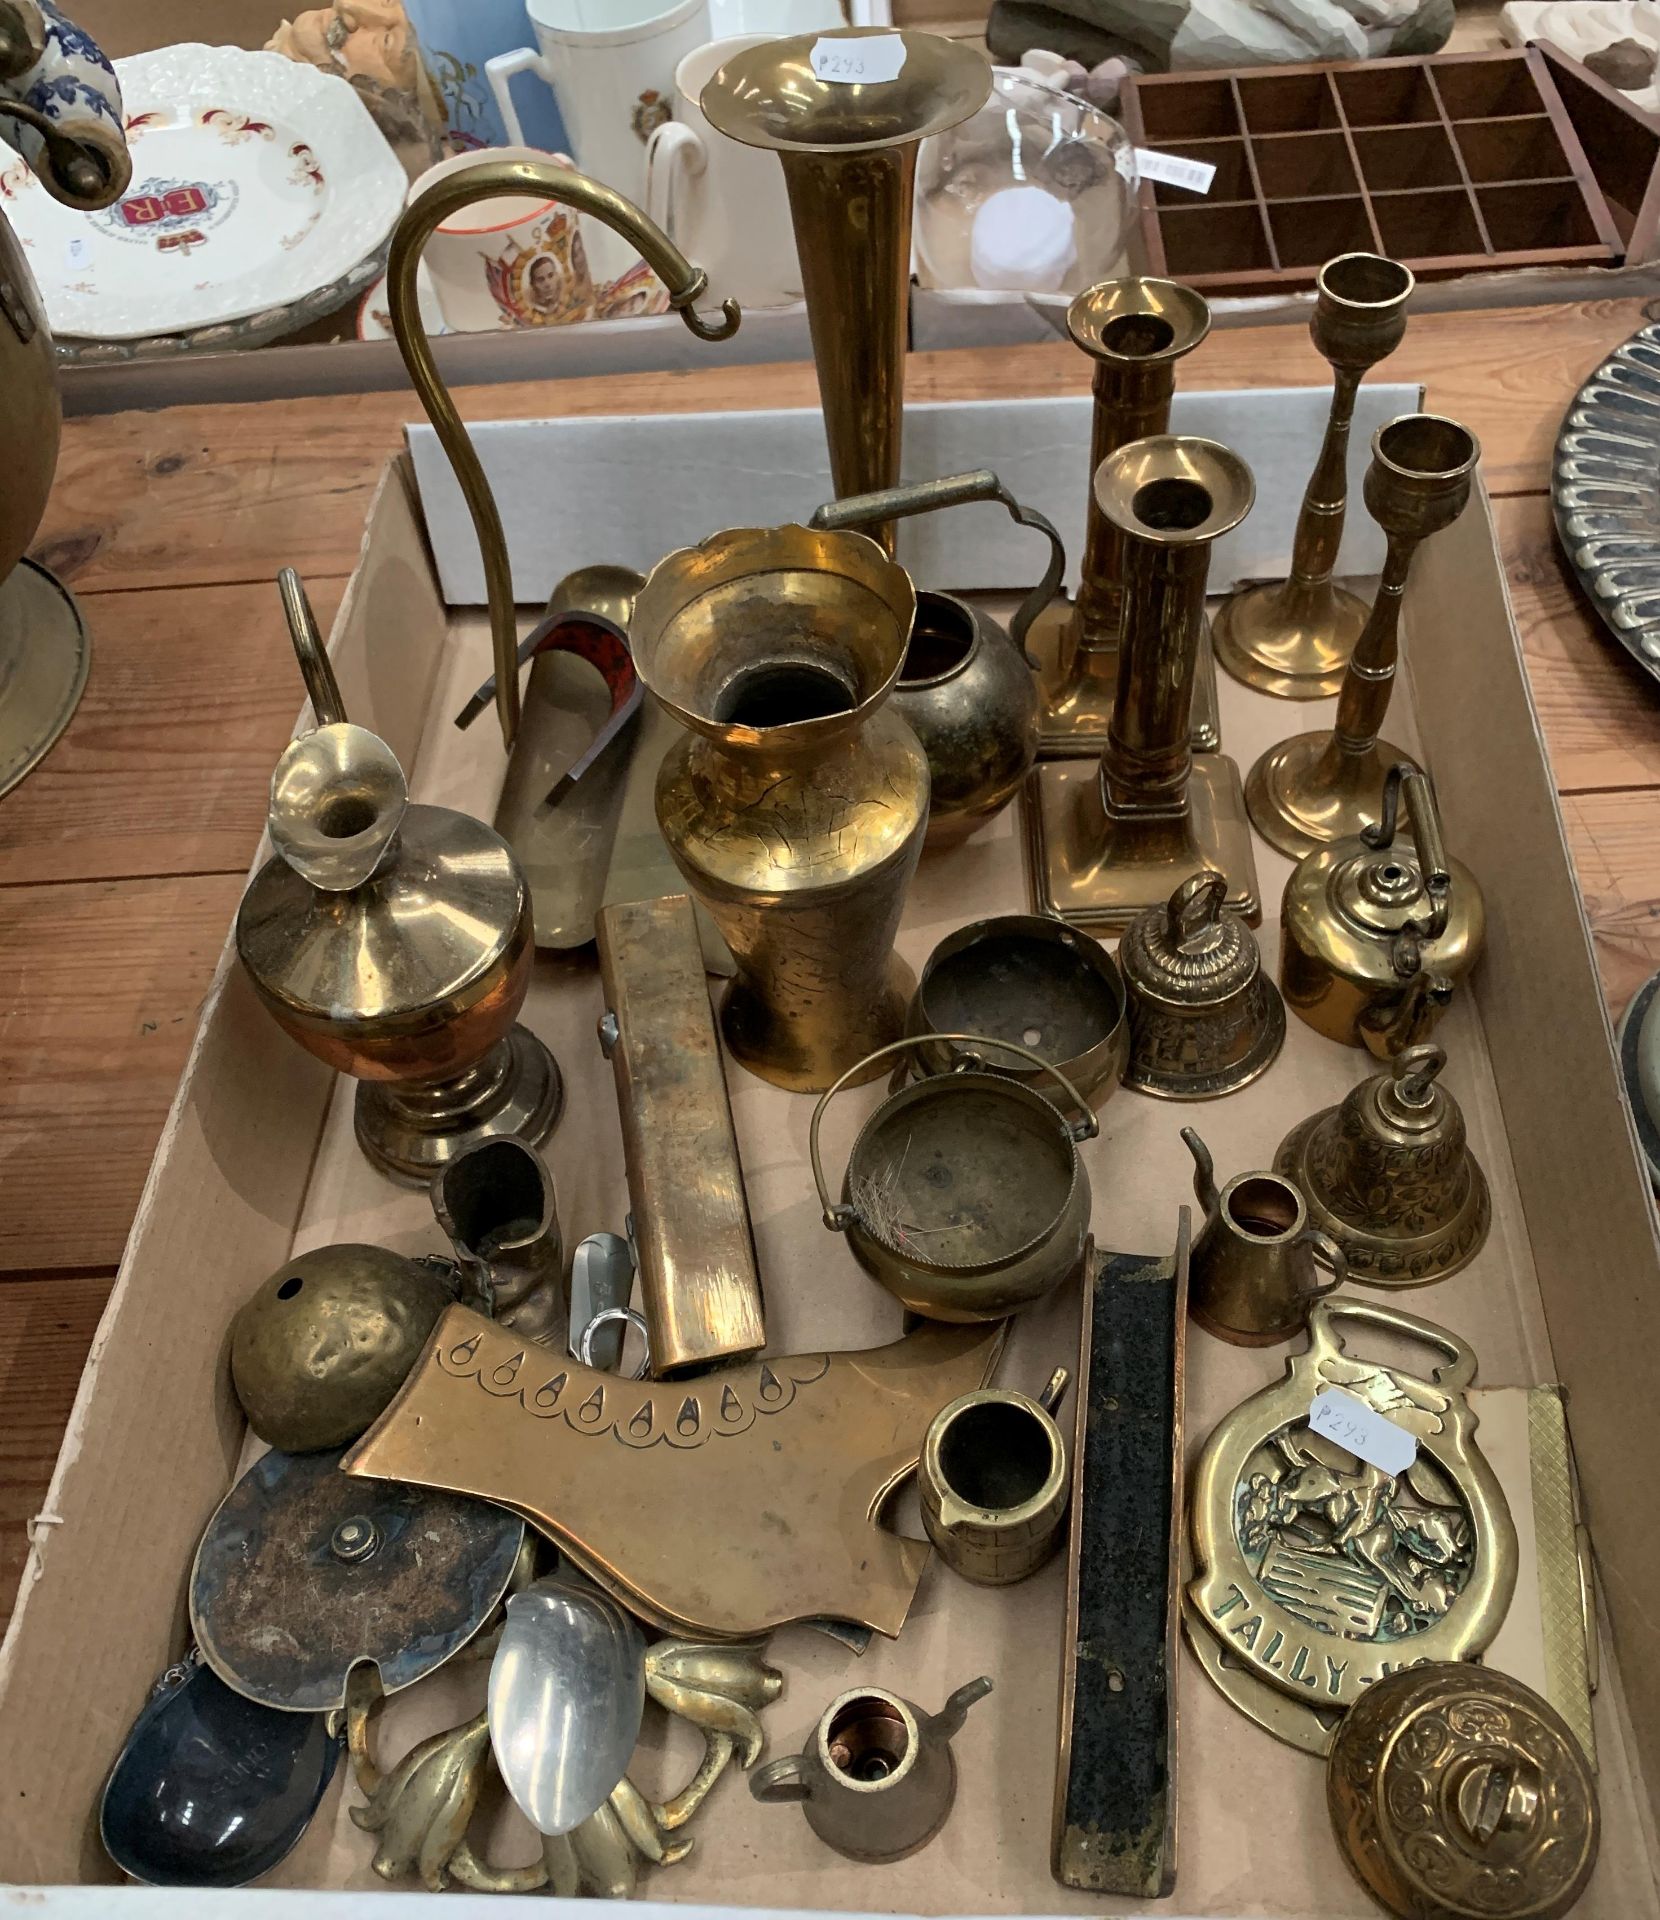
(538,180)
(780,1780)
(1331,1254)
(326,704)
(838,1219)
(22,39)
(1324,1343)
(1405,781)
(1196,903)
(955,490)
(83,171)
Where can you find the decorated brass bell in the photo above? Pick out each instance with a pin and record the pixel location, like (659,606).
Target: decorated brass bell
(1389,1175)
(1204,1017)
(1373,938)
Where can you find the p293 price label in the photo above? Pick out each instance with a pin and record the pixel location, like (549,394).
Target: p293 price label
(858,59)
(1361,1430)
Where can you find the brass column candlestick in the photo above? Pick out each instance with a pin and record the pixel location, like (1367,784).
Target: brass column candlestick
(1293,637)
(849,147)
(1107,841)
(1319,787)
(1135,330)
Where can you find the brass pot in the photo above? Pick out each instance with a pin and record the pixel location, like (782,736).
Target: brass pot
(992,1483)
(964,1194)
(1025,977)
(796,804)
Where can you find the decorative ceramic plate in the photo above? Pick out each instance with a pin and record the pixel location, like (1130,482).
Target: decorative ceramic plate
(256,181)
(1605,488)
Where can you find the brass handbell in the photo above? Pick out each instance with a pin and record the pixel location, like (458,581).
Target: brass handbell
(1390,1176)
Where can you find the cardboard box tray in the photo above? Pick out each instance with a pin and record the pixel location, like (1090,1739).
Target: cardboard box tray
(257,1161)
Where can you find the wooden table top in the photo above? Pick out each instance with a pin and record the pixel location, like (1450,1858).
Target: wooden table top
(124,853)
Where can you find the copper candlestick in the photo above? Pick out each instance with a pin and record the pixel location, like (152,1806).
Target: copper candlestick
(1135,330)
(1293,637)
(1107,841)
(1319,787)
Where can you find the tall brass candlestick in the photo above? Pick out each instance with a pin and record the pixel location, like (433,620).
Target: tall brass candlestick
(848,148)
(1293,637)
(1135,330)
(1319,787)
(1107,841)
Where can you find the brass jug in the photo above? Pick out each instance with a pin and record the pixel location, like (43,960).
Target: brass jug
(394,942)
(1390,1176)
(796,803)
(1374,939)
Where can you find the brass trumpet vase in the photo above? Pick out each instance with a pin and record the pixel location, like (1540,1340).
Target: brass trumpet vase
(1319,787)
(849,148)
(1293,637)
(394,942)
(1135,330)
(795,806)
(1107,841)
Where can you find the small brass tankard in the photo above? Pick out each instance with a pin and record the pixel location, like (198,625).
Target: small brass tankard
(992,1482)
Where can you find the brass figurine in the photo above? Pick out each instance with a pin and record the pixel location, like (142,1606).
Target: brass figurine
(496,1205)
(1318,787)
(1373,939)
(1024,977)
(796,800)
(1322,1572)
(877,1778)
(325,1342)
(393,941)
(1135,330)
(695,1252)
(540,180)
(1389,1175)
(1204,1017)
(717,1508)
(849,151)
(1293,637)
(964,684)
(1252,1272)
(992,1482)
(1106,842)
(1458,1793)
(964,1194)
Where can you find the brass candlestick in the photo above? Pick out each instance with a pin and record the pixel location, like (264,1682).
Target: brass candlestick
(1319,787)
(1293,637)
(1135,330)
(849,150)
(1107,841)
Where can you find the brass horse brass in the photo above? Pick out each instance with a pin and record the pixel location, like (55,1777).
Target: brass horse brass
(720,1507)
(1304,1569)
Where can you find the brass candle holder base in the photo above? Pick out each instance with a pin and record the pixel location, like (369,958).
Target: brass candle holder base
(1094,867)
(1267,641)
(1306,793)
(1075,698)
(412,1131)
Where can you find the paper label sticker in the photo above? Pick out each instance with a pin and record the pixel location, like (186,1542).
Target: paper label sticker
(1171,170)
(859,58)
(78,252)
(1361,1430)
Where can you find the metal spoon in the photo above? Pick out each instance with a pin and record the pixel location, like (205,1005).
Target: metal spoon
(567,1691)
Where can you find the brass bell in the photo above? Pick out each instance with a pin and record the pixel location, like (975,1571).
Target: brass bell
(1389,1176)
(1204,1017)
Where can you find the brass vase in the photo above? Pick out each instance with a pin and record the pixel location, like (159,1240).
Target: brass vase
(1134,330)
(1293,637)
(849,150)
(796,804)
(394,942)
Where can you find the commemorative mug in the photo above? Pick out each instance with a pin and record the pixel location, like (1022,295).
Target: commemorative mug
(458,39)
(518,261)
(722,203)
(610,64)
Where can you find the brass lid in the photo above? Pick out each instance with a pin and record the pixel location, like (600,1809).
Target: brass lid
(1457,1792)
(1189,953)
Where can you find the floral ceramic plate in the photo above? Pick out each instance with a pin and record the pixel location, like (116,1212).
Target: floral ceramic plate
(255,182)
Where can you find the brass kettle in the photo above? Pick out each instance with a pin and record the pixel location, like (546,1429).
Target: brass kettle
(1389,1175)
(1373,939)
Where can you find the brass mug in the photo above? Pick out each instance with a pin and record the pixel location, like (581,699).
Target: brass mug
(1252,1273)
(992,1482)
(876,1779)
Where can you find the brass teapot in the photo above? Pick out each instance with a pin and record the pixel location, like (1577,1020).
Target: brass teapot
(1374,939)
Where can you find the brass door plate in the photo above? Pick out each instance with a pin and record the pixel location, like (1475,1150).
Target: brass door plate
(1101,880)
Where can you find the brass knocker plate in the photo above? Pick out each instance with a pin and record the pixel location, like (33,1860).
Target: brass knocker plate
(1321,1573)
